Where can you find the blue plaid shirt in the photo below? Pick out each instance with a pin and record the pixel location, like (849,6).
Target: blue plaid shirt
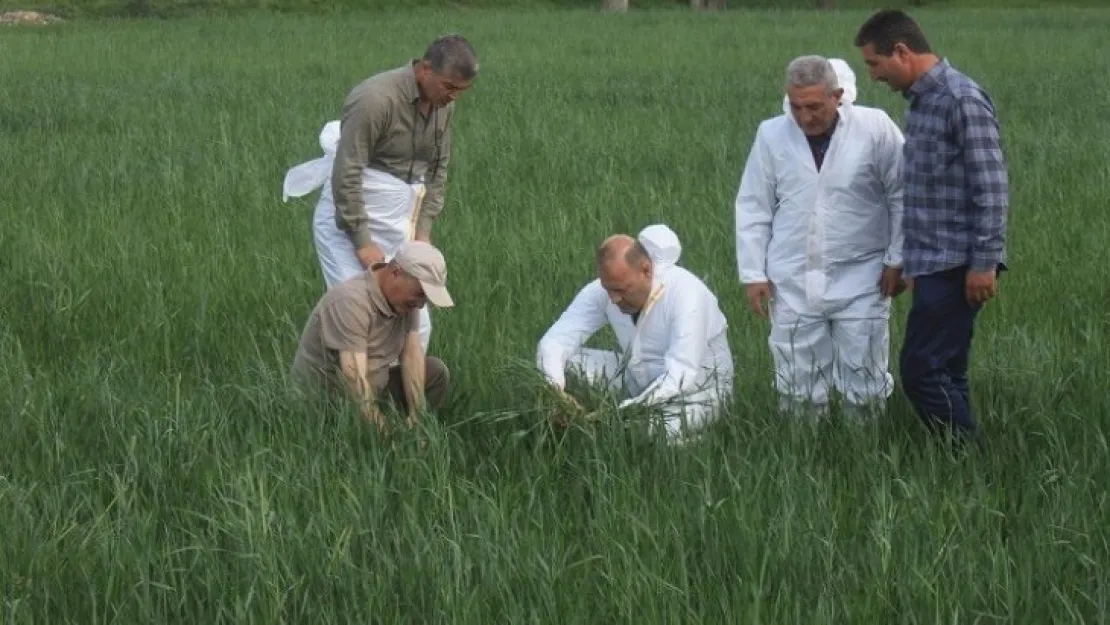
(956,193)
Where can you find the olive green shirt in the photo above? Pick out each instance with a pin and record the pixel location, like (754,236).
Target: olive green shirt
(382,128)
(351,316)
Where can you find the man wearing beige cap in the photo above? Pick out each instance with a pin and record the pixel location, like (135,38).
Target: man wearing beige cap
(365,323)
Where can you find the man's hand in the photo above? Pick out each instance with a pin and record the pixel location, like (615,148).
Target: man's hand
(569,404)
(569,399)
(891,283)
(372,414)
(369,255)
(758,292)
(981,286)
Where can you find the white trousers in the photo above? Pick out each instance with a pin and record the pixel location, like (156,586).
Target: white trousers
(697,410)
(813,354)
(338,260)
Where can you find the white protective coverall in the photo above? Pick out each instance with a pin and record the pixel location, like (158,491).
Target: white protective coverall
(821,239)
(392,206)
(678,353)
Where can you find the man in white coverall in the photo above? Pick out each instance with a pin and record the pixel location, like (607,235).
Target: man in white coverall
(671,332)
(385,164)
(819,239)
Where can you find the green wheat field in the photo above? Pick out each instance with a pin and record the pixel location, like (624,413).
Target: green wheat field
(153,468)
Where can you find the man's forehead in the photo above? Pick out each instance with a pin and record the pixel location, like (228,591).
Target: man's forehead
(809,95)
(869,54)
(615,272)
(454,80)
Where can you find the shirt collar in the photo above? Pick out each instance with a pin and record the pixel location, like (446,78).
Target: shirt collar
(927,81)
(408,85)
(377,298)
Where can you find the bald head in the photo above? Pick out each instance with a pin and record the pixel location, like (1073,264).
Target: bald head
(625,271)
(623,249)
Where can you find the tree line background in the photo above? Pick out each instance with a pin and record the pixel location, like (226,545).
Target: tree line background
(175,8)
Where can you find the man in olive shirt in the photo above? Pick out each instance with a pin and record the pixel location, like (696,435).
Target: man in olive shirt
(391,159)
(362,325)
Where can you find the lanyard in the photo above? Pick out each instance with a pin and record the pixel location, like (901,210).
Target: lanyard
(635,342)
(654,297)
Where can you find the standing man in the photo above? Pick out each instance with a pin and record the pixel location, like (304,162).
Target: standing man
(818,233)
(672,333)
(956,201)
(362,325)
(386,162)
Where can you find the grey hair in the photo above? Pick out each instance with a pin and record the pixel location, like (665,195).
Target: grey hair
(810,71)
(451,54)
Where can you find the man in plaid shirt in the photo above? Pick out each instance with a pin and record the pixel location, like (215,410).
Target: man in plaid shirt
(956,198)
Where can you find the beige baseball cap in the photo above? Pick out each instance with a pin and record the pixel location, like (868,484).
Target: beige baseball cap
(425,263)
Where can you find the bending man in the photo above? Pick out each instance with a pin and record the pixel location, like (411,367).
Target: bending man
(670,329)
(385,164)
(364,324)
(818,233)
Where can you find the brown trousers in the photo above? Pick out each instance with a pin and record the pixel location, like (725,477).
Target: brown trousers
(331,388)
(436,379)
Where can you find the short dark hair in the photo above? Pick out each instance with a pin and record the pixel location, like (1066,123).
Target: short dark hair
(452,54)
(889,27)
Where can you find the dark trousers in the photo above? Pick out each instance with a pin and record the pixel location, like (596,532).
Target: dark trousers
(936,349)
(436,380)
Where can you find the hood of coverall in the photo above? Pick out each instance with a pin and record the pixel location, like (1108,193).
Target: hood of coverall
(662,245)
(844,75)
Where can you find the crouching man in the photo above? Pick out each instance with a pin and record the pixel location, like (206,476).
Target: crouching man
(366,322)
(672,334)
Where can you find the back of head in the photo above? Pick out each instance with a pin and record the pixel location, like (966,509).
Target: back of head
(454,56)
(889,27)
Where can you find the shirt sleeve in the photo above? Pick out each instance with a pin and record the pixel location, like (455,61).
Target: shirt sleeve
(433,201)
(890,144)
(345,326)
(755,207)
(364,121)
(687,348)
(976,132)
(584,317)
